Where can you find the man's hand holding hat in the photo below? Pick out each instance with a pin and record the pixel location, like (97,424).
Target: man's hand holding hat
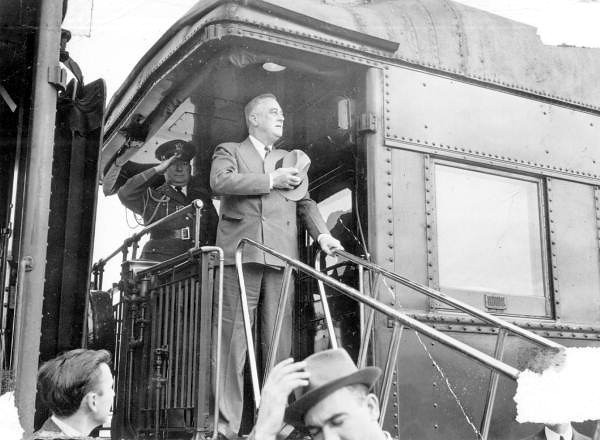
(285,178)
(284,378)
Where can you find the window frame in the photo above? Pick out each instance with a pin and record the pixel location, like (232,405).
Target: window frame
(516,305)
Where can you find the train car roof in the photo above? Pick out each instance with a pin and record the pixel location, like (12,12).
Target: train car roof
(439,35)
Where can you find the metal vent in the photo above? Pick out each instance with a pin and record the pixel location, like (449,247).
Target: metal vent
(495,302)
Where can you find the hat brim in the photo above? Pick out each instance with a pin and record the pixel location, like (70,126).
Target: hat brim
(294,413)
(295,194)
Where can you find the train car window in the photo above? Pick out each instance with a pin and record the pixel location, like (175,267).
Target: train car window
(490,239)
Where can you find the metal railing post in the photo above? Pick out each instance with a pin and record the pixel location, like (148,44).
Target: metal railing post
(198,211)
(248,330)
(386,386)
(283,300)
(366,335)
(325,303)
(493,387)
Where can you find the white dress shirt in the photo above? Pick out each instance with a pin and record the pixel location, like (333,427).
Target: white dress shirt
(551,435)
(261,149)
(182,188)
(68,430)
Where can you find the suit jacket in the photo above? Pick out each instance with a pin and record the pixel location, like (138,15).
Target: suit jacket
(250,209)
(154,203)
(541,435)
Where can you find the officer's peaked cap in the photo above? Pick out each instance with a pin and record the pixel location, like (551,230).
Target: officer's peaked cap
(185,150)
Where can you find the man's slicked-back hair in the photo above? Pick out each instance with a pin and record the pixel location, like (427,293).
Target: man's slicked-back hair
(253,103)
(64,381)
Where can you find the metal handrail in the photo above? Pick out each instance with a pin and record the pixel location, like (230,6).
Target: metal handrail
(442,297)
(194,207)
(504,327)
(391,313)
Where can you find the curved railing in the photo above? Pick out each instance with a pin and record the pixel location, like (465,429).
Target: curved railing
(396,316)
(194,207)
(379,273)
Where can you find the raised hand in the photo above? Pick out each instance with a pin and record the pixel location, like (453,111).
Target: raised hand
(284,378)
(161,168)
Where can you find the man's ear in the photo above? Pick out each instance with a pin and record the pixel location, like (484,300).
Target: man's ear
(88,403)
(372,403)
(252,119)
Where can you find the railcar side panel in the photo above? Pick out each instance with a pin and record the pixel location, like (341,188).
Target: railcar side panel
(574,220)
(445,115)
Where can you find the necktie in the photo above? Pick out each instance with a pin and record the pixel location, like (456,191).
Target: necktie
(267,151)
(179,191)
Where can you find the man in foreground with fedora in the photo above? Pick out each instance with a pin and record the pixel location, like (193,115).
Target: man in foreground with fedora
(152,197)
(333,399)
(263,190)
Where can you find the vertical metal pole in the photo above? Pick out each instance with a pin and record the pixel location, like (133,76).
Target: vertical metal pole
(361,306)
(325,303)
(373,145)
(219,342)
(283,299)
(198,210)
(493,386)
(248,330)
(389,368)
(366,335)
(34,234)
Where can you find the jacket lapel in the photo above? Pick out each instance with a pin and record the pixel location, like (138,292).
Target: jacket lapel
(250,157)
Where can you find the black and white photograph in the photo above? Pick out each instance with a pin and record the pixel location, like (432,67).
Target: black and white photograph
(300,219)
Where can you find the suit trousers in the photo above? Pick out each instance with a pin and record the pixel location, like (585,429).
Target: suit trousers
(263,289)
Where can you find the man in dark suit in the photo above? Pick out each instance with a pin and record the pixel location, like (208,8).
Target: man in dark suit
(144,195)
(563,431)
(77,387)
(254,205)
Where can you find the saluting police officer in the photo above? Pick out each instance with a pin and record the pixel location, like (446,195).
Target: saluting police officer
(144,196)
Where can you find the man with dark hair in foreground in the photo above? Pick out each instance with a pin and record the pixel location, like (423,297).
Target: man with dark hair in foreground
(333,399)
(77,387)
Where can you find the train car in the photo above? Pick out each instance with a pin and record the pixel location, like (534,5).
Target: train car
(448,145)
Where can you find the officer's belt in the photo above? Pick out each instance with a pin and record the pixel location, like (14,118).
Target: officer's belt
(177,234)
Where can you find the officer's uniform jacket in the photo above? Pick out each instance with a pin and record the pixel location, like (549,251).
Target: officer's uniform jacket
(249,208)
(177,236)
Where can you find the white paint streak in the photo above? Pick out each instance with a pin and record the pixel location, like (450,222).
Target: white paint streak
(570,393)
(10,428)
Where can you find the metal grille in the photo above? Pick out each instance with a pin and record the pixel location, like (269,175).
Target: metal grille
(164,351)
(175,327)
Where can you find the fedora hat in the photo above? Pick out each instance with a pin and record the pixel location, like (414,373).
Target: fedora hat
(295,159)
(329,371)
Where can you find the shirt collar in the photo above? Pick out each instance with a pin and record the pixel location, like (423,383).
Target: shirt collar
(551,435)
(67,429)
(259,146)
(182,188)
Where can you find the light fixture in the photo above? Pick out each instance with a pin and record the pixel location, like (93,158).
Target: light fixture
(273,67)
